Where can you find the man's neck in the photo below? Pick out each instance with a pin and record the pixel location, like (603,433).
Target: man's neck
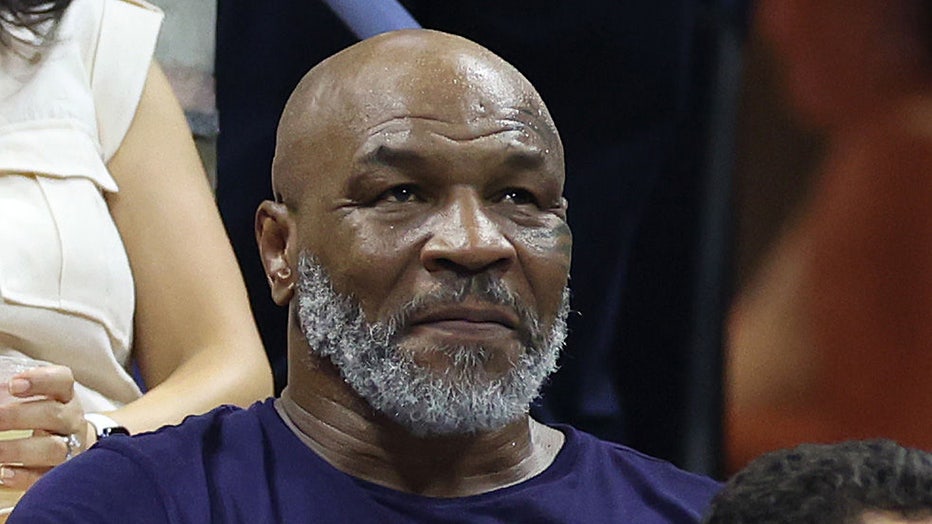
(369,446)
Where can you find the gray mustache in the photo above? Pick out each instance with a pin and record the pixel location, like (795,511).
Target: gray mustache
(479,288)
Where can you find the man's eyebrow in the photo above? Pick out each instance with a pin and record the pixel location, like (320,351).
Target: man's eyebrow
(386,155)
(525,158)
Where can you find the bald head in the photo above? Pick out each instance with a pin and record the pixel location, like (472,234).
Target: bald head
(423,74)
(413,165)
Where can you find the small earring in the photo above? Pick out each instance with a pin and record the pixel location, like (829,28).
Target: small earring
(283,273)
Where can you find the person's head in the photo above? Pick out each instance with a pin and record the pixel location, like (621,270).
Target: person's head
(844,59)
(420,232)
(856,482)
(29,22)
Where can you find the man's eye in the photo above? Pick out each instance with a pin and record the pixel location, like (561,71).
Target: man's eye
(518,197)
(399,194)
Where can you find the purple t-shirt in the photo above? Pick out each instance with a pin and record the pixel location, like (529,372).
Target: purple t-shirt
(234,465)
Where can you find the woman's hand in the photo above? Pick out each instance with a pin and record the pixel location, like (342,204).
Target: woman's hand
(49,408)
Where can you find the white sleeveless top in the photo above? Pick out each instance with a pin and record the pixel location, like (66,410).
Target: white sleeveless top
(66,290)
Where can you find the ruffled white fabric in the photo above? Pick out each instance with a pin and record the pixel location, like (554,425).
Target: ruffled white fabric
(66,289)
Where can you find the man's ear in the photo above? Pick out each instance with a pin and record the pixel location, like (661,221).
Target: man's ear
(275,234)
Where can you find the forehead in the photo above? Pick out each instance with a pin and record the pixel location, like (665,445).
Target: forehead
(415,140)
(460,97)
(460,106)
(401,97)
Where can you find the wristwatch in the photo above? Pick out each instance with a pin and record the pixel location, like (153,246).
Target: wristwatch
(104,426)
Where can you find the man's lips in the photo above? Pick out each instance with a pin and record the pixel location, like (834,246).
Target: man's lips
(463,317)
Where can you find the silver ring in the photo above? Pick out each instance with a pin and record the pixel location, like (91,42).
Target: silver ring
(73,445)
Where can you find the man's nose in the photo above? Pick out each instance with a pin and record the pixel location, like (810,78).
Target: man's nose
(465,240)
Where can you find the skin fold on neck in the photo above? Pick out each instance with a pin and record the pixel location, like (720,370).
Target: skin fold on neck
(371,447)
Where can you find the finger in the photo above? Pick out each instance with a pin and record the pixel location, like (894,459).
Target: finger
(55,382)
(18,477)
(42,414)
(38,451)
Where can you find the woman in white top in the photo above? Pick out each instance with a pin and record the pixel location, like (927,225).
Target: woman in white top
(111,247)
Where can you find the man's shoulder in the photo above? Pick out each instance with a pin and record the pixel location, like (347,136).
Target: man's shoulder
(639,477)
(159,473)
(194,434)
(194,428)
(632,459)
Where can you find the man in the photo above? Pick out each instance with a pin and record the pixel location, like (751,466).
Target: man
(420,242)
(854,482)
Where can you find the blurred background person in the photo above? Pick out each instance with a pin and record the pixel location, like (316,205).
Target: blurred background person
(832,339)
(852,482)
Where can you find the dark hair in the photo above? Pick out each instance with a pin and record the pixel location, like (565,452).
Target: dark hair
(827,484)
(30,22)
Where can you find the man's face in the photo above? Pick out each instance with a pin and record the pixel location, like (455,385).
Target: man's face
(428,184)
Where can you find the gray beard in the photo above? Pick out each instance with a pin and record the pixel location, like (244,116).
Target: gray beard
(462,399)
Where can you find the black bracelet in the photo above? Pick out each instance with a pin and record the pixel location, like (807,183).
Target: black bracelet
(113,430)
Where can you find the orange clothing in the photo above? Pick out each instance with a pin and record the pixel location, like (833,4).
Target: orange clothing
(859,305)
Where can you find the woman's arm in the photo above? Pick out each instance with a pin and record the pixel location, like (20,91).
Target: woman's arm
(195,338)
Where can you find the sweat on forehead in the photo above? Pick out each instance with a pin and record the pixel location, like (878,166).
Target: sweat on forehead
(404,74)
